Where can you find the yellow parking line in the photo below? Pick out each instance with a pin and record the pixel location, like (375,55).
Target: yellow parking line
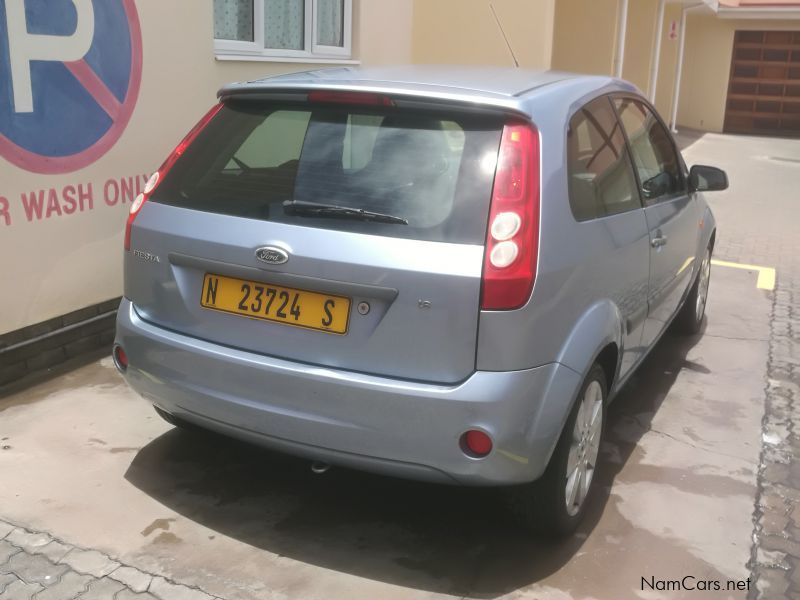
(766,275)
(514,457)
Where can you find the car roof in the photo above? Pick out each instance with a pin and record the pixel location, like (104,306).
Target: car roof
(502,86)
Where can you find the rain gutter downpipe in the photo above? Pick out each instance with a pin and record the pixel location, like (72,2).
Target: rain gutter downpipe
(679,71)
(622,29)
(656,60)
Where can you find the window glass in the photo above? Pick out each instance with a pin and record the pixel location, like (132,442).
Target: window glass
(283,27)
(653,153)
(359,140)
(258,151)
(601,181)
(284,24)
(362,132)
(427,168)
(330,22)
(233,20)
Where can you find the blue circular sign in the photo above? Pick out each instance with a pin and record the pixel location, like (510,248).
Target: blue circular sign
(70,72)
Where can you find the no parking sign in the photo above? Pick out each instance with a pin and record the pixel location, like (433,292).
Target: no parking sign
(70,72)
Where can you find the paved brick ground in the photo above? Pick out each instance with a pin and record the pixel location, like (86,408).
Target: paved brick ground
(759,223)
(33,565)
(776,552)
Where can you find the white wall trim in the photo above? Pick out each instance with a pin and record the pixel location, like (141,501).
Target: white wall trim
(311,52)
(300,60)
(673,121)
(759,13)
(655,62)
(622,30)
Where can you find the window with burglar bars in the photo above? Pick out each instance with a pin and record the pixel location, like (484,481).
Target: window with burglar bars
(299,29)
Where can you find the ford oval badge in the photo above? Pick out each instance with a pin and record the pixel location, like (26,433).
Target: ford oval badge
(272,255)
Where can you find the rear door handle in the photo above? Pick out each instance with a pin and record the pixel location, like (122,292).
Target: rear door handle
(659,240)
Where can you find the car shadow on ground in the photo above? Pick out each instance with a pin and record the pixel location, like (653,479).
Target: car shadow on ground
(435,538)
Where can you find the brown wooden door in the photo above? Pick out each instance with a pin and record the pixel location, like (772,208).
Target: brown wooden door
(764,89)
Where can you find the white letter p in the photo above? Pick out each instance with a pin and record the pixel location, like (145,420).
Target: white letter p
(24,47)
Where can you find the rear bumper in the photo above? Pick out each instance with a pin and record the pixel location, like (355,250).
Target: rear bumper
(371,423)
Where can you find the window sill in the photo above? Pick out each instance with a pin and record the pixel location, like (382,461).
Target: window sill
(306,60)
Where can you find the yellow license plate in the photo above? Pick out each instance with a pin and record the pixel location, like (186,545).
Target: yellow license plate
(275,303)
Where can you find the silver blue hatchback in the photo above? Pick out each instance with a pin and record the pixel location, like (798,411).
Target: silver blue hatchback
(435,273)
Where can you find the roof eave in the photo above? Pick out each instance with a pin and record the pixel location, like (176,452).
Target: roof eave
(759,12)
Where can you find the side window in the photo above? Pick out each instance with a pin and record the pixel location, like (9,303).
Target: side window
(601,181)
(654,155)
(259,150)
(359,140)
(362,132)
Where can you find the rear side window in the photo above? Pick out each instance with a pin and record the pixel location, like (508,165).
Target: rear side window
(601,181)
(654,155)
(427,168)
(256,152)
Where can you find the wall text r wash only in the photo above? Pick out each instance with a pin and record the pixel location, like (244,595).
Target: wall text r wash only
(47,203)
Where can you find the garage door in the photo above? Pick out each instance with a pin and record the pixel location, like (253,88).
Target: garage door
(764,90)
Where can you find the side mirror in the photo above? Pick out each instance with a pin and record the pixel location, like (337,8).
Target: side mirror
(707,179)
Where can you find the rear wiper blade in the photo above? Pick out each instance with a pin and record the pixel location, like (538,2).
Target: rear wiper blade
(312,209)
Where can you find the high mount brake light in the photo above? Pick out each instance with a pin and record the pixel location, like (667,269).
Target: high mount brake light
(159,175)
(512,237)
(352,98)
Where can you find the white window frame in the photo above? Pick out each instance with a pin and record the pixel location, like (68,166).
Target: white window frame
(255,50)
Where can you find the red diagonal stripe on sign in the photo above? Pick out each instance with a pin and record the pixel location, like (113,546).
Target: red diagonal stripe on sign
(81,70)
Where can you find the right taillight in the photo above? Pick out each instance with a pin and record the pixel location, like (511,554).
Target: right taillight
(159,175)
(512,237)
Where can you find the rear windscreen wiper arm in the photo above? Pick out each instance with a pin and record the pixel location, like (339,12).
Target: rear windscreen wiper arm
(312,209)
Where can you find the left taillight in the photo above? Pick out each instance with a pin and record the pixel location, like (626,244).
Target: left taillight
(159,175)
(512,237)
(120,358)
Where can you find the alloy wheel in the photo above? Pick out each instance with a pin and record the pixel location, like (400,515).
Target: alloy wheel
(702,286)
(584,448)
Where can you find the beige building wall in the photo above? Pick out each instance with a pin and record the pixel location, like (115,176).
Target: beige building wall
(665,87)
(597,21)
(639,42)
(66,262)
(463,32)
(706,69)
(384,31)
(585,34)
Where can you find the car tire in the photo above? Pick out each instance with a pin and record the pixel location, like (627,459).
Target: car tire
(544,506)
(690,317)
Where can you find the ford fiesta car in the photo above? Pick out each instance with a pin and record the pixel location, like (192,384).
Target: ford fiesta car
(442,274)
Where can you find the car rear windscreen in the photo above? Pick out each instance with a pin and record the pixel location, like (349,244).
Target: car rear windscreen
(434,170)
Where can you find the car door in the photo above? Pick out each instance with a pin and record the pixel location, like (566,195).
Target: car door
(670,211)
(604,199)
